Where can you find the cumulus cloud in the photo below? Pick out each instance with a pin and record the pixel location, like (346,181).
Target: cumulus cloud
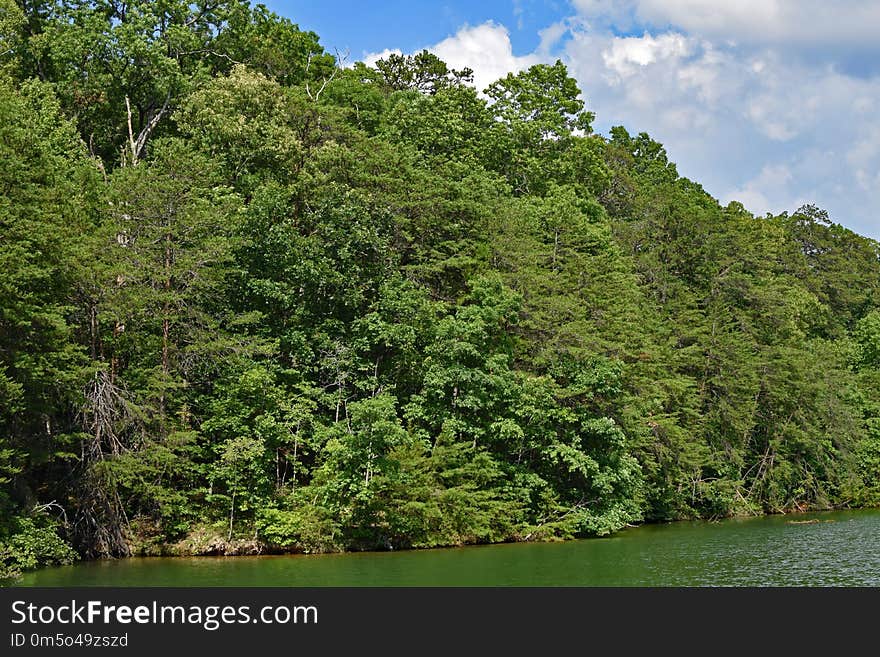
(769,191)
(761,101)
(626,56)
(804,22)
(550,36)
(486,49)
(863,157)
(737,119)
(373,57)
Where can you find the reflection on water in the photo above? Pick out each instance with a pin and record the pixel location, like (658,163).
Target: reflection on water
(841,549)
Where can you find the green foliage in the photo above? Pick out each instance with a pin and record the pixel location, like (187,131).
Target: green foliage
(423,72)
(29,543)
(269,44)
(248,122)
(306,527)
(540,130)
(324,308)
(12,23)
(545,97)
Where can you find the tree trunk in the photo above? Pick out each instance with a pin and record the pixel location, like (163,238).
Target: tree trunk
(231,516)
(166,322)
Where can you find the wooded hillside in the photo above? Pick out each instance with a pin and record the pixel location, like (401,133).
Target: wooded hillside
(252,299)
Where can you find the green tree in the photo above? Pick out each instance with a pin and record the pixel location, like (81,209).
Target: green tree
(423,72)
(540,111)
(45,209)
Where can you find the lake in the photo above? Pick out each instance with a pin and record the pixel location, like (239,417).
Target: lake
(823,549)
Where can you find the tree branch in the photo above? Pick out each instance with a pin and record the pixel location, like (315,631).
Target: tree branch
(340,59)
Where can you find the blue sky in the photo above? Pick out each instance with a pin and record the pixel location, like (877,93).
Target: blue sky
(367,27)
(770,102)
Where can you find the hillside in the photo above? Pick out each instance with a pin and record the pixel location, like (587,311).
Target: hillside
(254,300)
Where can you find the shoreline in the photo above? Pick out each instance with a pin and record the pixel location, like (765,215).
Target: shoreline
(249,548)
(774,549)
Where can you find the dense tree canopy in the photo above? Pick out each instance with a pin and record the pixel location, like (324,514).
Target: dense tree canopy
(254,301)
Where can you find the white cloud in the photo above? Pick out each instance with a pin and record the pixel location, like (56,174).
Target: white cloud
(864,159)
(769,191)
(805,22)
(667,84)
(625,56)
(707,17)
(486,49)
(551,35)
(370,59)
(601,13)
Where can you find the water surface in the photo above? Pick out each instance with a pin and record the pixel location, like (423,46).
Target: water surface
(837,549)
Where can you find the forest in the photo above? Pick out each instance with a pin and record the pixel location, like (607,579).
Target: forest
(256,298)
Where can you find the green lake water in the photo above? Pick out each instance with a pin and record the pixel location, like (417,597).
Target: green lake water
(841,549)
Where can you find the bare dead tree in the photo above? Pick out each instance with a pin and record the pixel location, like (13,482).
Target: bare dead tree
(100,524)
(339,65)
(151,120)
(105,409)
